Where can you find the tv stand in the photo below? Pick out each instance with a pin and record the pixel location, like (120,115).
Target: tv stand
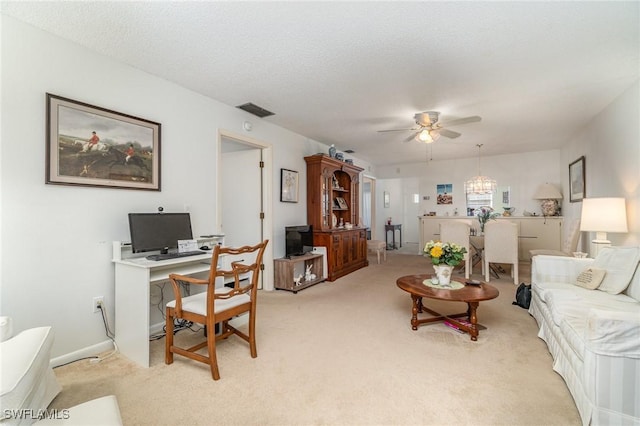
(287,269)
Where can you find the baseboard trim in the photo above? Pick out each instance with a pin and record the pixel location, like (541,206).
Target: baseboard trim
(89,351)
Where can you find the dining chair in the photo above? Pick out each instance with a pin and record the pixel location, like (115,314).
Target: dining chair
(569,243)
(457,231)
(217,305)
(501,246)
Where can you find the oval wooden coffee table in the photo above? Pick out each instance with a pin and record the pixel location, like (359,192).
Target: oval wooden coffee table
(472,295)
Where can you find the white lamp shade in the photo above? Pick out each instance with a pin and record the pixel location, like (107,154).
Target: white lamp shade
(547,191)
(604,215)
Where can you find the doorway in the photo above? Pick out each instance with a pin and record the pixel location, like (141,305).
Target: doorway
(244,195)
(369,206)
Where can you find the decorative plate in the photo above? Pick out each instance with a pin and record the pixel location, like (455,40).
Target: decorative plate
(334,219)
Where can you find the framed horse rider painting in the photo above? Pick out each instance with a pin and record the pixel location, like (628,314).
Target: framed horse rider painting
(93,146)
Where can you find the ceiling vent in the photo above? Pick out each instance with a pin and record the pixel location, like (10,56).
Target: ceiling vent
(255,110)
(349,151)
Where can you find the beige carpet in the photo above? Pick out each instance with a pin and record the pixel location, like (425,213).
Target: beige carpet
(343,353)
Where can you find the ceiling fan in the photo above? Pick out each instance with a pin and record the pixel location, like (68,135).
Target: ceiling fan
(430,129)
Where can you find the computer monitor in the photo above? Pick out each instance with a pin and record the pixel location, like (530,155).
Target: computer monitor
(158,231)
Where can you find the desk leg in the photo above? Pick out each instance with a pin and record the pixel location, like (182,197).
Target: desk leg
(132,313)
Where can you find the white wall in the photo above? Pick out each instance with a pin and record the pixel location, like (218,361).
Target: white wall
(403,180)
(611,146)
(56,240)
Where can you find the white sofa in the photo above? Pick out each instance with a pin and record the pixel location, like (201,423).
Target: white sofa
(593,335)
(28,384)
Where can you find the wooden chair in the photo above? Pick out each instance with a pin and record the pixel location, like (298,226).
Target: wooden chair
(457,231)
(501,246)
(217,305)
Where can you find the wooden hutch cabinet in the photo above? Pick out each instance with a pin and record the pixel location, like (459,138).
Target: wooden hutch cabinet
(333,207)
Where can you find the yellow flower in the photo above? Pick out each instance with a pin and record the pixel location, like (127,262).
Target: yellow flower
(436,252)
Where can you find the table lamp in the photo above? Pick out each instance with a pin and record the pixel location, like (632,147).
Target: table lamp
(549,195)
(602,215)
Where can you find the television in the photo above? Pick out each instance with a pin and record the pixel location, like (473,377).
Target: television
(158,231)
(299,240)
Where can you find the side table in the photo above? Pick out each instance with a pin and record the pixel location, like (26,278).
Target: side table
(393,229)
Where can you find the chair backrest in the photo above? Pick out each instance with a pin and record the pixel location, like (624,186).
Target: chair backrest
(456,231)
(571,236)
(501,241)
(245,263)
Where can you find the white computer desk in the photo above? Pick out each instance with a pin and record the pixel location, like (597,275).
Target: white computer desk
(133,279)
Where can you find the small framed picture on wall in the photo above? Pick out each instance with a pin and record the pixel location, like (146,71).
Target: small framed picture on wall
(577,180)
(288,186)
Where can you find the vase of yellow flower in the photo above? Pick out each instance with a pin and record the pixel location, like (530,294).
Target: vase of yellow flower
(444,257)
(443,273)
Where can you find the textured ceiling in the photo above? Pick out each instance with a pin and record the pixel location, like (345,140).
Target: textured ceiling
(338,72)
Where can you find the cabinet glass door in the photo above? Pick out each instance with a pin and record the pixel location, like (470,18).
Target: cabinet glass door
(326,203)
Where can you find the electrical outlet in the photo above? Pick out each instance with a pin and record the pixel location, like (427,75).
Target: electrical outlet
(97,303)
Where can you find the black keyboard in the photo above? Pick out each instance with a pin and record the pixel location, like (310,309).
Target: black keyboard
(175,255)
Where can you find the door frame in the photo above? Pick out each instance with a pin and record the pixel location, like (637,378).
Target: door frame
(372,207)
(267,196)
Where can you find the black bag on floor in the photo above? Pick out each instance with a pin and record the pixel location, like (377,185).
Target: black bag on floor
(523,296)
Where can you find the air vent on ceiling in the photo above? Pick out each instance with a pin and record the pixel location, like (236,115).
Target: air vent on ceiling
(255,110)
(349,151)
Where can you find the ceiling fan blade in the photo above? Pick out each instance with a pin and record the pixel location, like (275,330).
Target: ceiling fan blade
(413,135)
(459,121)
(449,133)
(397,130)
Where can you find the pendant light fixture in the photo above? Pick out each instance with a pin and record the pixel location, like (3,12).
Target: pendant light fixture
(480,184)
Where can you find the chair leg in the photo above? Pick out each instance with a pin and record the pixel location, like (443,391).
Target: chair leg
(384,254)
(515,273)
(252,334)
(487,270)
(168,355)
(378,253)
(211,346)
(467,268)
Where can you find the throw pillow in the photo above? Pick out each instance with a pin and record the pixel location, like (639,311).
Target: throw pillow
(590,278)
(620,264)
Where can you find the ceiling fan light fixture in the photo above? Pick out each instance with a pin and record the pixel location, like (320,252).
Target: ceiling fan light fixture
(480,184)
(425,136)
(428,136)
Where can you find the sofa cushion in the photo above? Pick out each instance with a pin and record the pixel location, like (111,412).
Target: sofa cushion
(620,264)
(565,303)
(577,302)
(543,289)
(590,278)
(613,333)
